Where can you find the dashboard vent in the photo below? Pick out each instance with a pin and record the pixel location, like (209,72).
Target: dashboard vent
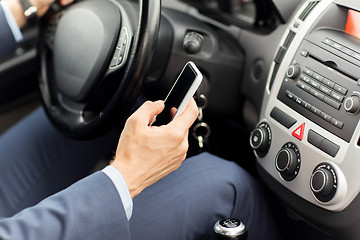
(307,10)
(280,54)
(289,39)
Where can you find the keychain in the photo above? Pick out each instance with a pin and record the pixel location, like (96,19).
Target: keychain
(201,131)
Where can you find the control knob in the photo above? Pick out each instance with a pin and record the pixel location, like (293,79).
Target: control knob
(286,161)
(260,139)
(322,182)
(293,71)
(352,104)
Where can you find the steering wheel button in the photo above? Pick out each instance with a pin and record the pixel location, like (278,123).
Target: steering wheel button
(115,58)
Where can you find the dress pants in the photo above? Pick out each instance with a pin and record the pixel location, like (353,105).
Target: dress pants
(37,161)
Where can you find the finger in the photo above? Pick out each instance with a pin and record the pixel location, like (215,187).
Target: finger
(173,112)
(65,2)
(188,117)
(146,112)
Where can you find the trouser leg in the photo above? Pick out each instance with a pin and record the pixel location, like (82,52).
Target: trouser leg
(187,203)
(36,161)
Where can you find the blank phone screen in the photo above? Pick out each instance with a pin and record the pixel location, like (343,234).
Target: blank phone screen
(176,94)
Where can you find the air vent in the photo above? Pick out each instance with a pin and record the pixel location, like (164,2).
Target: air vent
(289,39)
(280,55)
(307,10)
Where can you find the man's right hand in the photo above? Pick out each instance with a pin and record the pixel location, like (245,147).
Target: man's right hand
(145,154)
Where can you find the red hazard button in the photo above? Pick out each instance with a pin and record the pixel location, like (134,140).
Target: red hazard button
(299,132)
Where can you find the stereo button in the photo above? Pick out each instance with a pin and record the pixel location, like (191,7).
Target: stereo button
(325,116)
(303,86)
(328,83)
(356,55)
(337,96)
(315,84)
(290,95)
(318,77)
(317,94)
(337,46)
(328,42)
(340,89)
(332,102)
(347,51)
(308,72)
(304,78)
(316,111)
(325,90)
(337,123)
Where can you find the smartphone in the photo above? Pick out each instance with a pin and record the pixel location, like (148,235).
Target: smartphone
(180,93)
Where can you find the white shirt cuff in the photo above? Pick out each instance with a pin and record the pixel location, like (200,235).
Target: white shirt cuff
(121,187)
(12,22)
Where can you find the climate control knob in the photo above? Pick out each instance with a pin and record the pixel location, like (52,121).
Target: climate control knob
(322,181)
(293,71)
(260,139)
(286,161)
(352,104)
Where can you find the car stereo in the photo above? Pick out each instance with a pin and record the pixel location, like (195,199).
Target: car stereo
(322,85)
(307,138)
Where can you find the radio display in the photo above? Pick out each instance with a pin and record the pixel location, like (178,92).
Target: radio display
(352,26)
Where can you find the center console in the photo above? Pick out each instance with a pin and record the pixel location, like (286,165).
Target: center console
(307,139)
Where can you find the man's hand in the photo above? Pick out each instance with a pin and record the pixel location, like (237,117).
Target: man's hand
(42,6)
(145,154)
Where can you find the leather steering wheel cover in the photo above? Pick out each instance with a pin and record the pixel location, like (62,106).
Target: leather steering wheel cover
(73,124)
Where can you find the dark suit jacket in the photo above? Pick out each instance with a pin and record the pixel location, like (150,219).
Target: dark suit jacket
(7,40)
(89,209)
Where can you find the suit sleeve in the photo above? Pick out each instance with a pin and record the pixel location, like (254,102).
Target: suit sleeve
(89,209)
(7,43)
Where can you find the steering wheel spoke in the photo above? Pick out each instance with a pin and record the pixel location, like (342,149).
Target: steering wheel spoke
(95,55)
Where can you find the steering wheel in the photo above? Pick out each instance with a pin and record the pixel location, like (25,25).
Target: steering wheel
(93,58)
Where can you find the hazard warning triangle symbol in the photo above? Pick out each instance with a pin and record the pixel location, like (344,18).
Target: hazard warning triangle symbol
(299,132)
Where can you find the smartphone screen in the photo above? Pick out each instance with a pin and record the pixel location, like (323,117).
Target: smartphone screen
(180,94)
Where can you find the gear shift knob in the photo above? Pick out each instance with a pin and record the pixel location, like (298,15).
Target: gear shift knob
(230,229)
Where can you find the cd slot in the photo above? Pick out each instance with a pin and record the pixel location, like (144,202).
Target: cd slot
(334,66)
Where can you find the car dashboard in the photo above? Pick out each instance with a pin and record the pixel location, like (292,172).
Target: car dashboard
(306,135)
(307,139)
